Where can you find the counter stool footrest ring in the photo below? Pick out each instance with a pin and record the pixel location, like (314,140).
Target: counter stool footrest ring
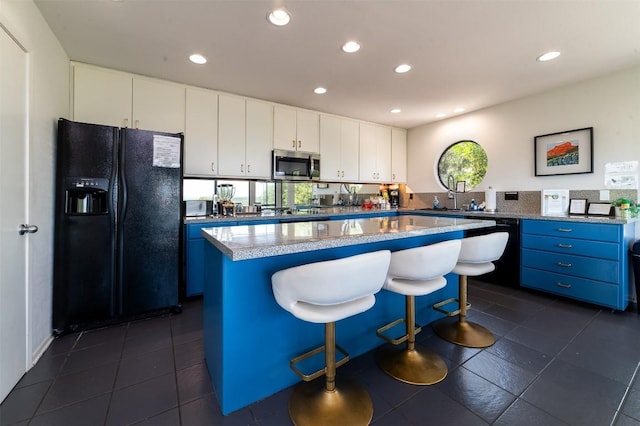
(438,307)
(389,326)
(316,351)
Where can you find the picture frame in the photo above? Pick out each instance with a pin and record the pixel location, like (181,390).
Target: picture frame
(599,209)
(564,153)
(578,206)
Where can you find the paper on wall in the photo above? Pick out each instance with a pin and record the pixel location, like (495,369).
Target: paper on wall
(621,175)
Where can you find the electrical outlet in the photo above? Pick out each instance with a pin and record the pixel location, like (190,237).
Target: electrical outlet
(411,196)
(605,195)
(511,196)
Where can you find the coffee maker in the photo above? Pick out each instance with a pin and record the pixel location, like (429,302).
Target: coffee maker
(394,196)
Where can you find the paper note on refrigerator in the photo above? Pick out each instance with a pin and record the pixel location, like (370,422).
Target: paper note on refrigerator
(166,151)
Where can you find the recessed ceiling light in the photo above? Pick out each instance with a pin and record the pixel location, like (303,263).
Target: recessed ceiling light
(458,110)
(319,90)
(400,69)
(547,56)
(396,111)
(441,115)
(279,17)
(351,47)
(198,59)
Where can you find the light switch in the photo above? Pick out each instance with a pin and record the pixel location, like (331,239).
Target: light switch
(604,195)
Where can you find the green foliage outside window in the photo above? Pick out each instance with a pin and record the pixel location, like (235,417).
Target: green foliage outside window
(465,161)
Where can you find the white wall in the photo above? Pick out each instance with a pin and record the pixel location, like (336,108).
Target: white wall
(48,100)
(610,104)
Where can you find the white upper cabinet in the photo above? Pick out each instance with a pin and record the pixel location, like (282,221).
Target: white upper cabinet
(102,96)
(231,136)
(118,99)
(245,137)
(158,105)
(398,155)
(259,139)
(375,153)
(296,130)
(201,133)
(339,141)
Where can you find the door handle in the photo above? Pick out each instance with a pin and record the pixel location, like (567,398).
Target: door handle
(27,229)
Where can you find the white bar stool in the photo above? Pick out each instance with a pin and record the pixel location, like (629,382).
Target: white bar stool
(415,272)
(476,258)
(325,292)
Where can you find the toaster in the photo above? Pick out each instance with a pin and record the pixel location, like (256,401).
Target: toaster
(198,208)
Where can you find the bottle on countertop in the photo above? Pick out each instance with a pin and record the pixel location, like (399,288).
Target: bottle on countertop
(436,202)
(473,205)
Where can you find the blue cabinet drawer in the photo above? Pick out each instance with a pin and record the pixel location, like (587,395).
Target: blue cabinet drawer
(586,231)
(596,249)
(579,266)
(577,288)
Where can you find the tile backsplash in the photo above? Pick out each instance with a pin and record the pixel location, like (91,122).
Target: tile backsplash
(528,202)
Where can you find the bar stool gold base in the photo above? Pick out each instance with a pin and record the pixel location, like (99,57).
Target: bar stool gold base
(414,366)
(463,333)
(348,404)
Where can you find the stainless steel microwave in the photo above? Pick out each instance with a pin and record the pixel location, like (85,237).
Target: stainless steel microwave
(295,165)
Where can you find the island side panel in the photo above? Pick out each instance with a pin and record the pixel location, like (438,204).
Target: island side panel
(249,338)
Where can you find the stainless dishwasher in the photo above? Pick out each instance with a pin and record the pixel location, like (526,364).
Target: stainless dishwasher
(507,270)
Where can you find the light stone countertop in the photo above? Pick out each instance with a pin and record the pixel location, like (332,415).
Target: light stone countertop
(263,240)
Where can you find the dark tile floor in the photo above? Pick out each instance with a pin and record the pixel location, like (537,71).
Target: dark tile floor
(555,362)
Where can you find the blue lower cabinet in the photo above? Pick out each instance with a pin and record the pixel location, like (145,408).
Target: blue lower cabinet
(583,261)
(194,254)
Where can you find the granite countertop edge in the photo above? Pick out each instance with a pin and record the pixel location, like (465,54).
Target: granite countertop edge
(345,211)
(256,252)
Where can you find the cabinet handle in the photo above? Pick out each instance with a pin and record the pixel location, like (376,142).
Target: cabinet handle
(338,173)
(563,285)
(567,246)
(564,265)
(136,124)
(299,144)
(564,229)
(343,173)
(248,168)
(213,166)
(293,144)
(241,168)
(125,122)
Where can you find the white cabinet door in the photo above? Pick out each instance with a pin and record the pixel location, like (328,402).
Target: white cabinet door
(102,96)
(349,149)
(284,128)
(231,136)
(339,141)
(398,155)
(158,106)
(330,151)
(308,131)
(201,133)
(296,130)
(259,139)
(375,153)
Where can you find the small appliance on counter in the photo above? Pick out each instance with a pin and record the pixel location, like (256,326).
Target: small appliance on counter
(226,207)
(198,208)
(394,196)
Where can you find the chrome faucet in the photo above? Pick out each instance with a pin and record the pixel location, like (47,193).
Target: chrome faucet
(451,184)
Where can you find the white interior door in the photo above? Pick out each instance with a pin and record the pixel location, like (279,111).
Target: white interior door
(13,196)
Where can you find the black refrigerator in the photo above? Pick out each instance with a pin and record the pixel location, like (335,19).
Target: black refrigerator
(117,224)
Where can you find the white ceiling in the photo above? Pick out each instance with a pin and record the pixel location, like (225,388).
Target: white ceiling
(473,53)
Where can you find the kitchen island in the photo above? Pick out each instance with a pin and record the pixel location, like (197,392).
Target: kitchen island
(249,339)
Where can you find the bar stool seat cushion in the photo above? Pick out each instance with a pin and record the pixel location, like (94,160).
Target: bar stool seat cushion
(478,253)
(331,290)
(420,271)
